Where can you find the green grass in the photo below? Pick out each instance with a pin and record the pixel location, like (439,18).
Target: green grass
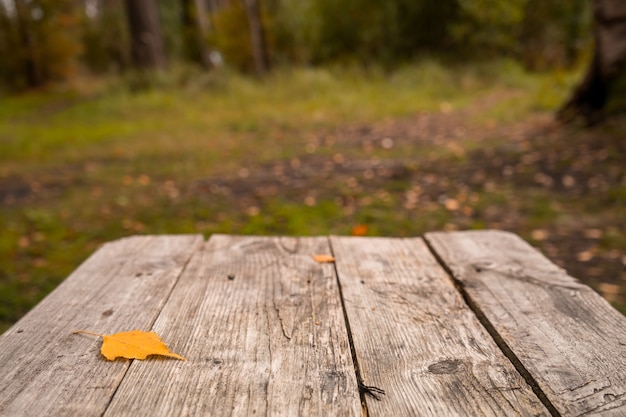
(81,168)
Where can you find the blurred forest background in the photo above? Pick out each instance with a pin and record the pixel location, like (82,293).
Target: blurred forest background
(302,117)
(51,40)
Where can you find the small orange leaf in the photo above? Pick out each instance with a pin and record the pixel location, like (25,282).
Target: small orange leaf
(359,230)
(135,344)
(323,258)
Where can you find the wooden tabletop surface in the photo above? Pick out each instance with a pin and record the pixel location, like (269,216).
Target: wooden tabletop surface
(453,324)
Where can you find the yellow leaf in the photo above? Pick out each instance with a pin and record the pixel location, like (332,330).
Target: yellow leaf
(135,344)
(323,258)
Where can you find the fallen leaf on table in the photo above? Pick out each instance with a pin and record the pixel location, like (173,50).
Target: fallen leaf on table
(135,344)
(323,258)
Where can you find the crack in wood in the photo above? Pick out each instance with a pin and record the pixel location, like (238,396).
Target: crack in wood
(520,273)
(603,407)
(283,325)
(576,388)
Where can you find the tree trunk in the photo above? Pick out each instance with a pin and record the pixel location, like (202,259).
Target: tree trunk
(31,63)
(118,50)
(257,36)
(607,67)
(145,31)
(196,28)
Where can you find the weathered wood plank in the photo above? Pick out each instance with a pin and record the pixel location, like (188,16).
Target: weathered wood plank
(45,370)
(271,340)
(416,338)
(571,341)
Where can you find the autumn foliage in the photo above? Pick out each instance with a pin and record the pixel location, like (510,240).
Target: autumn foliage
(135,344)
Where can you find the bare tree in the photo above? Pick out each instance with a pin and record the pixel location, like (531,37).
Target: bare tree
(31,62)
(145,30)
(257,36)
(607,66)
(196,26)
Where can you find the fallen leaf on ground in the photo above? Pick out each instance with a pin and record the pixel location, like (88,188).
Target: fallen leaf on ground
(135,344)
(359,230)
(584,256)
(323,258)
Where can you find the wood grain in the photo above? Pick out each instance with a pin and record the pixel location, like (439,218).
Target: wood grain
(48,371)
(262,328)
(416,339)
(571,341)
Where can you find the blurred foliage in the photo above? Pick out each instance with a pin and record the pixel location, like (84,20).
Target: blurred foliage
(372,31)
(617,104)
(542,34)
(489,26)
(42,40)
(104,54)
(231,36)
(554,33)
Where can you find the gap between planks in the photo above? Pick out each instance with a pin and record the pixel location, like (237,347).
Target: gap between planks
(363,389)
(499,341)
(255,262)
(154,320)
(569,338)
(389,265)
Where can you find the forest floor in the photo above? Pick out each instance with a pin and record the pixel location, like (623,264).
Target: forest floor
(323,156)
(562,188)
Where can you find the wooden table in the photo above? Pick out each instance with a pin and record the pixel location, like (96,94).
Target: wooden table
(463,323)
